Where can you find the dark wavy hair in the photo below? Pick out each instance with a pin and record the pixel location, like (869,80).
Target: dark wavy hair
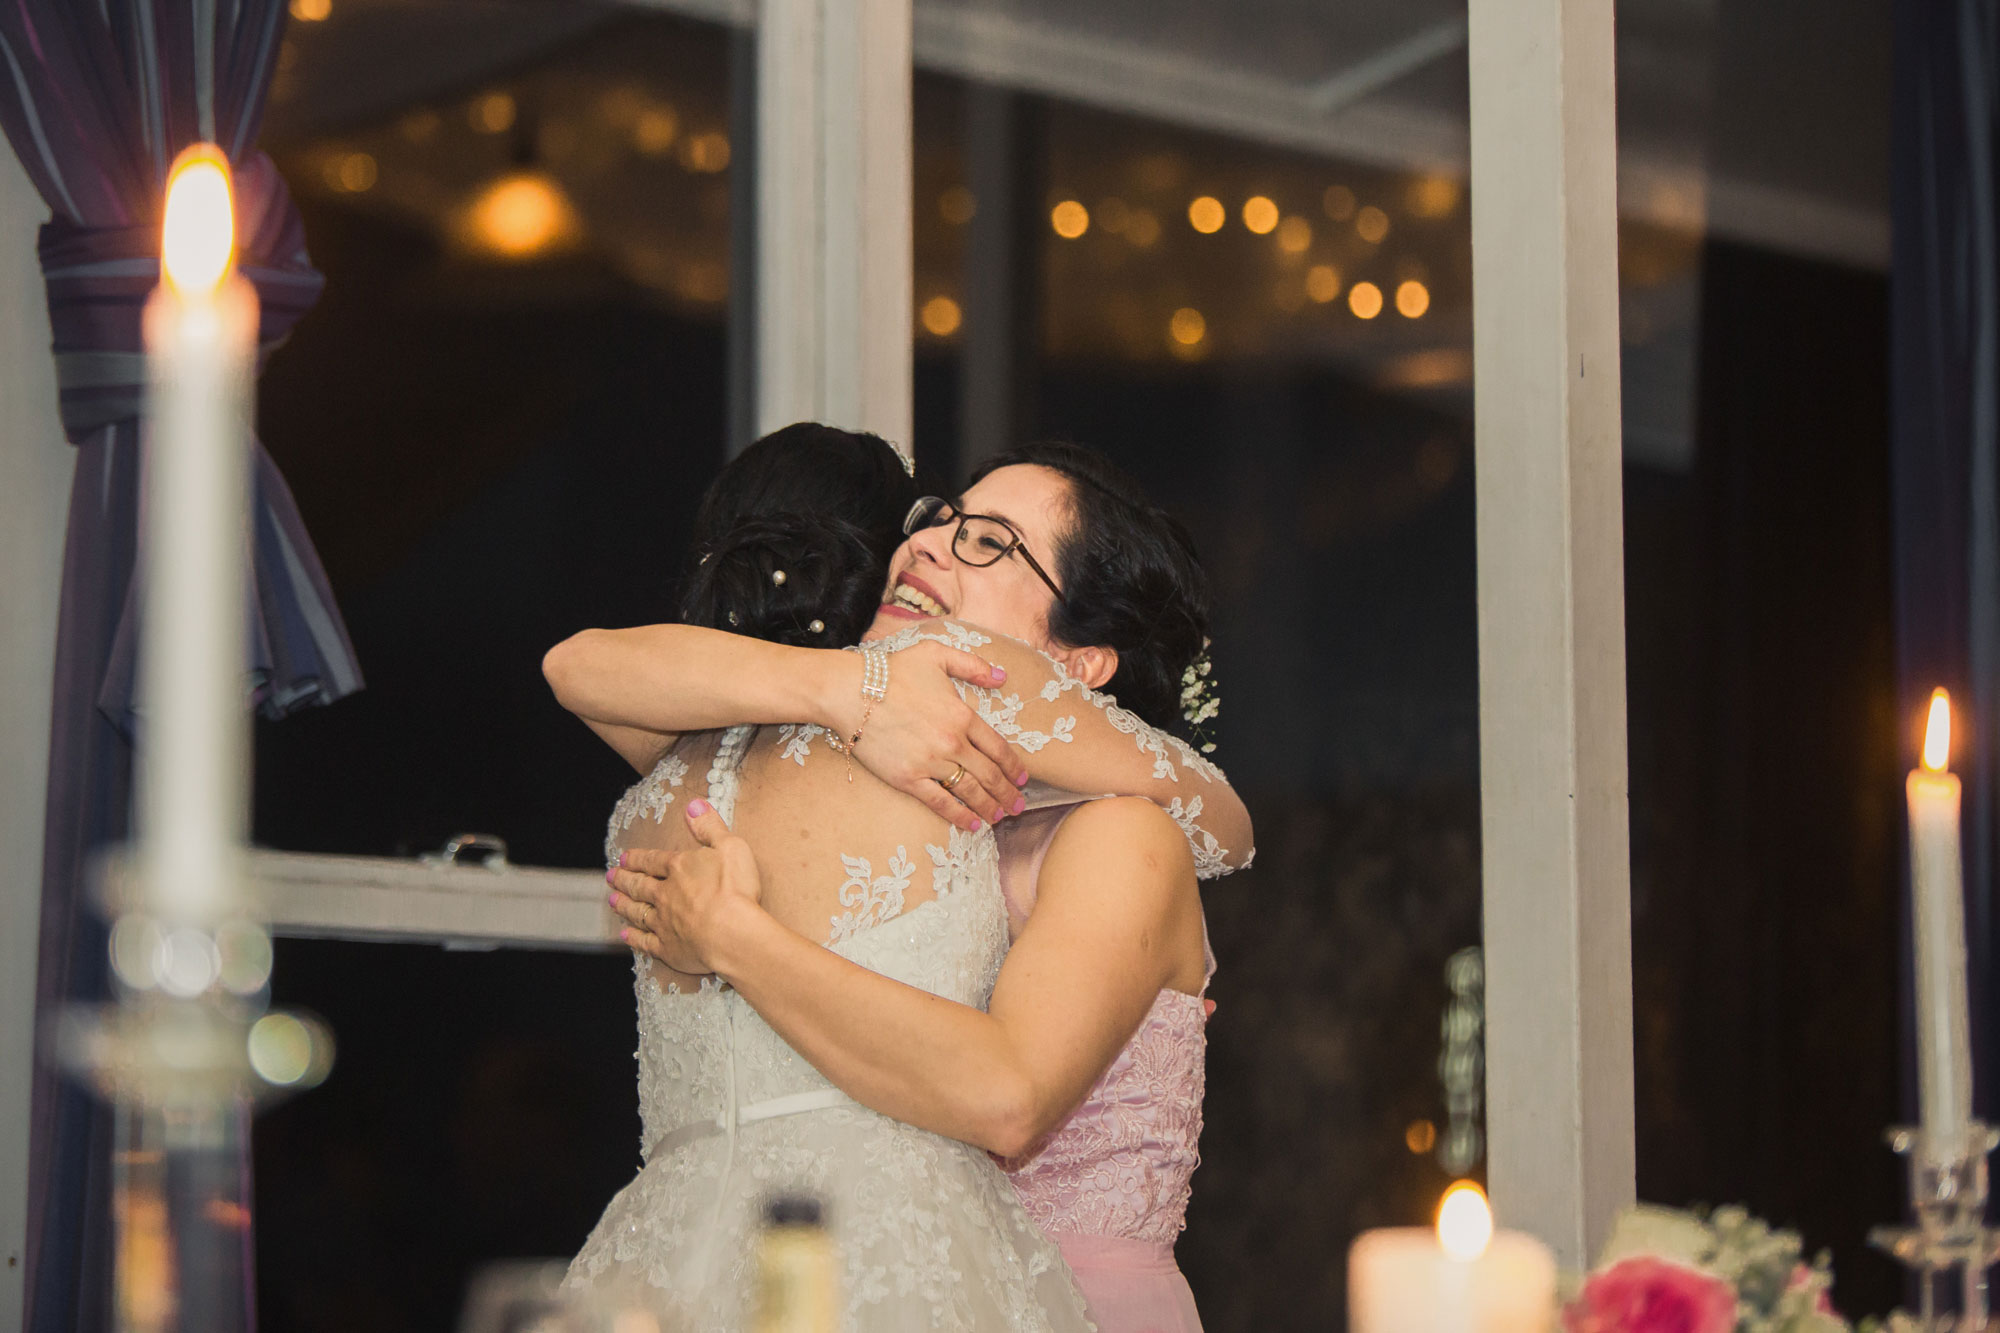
(1131,579)
(824,506)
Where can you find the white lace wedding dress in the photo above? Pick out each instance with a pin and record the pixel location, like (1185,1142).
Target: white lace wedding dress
(929,1231)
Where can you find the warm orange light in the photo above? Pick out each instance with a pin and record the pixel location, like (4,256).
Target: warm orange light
(1464,1222)
(493,113)
(521,215)
(1365,300)
(198,235)
(1206,215)
(941,316)
(1322,282)
(706,153)
(1070,219)
(1295,235)
(1937,733)
(957,205)
(655,129)
(1260,215)
(1371,224)
(1187,327)
(311,11)
(351,173)
(1433,196)
(1412,299)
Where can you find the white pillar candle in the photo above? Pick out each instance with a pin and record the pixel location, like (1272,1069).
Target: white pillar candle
(1459,1277)
(201,334)
(1944,1045)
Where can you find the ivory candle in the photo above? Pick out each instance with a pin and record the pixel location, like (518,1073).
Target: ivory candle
(1459,1277)
(1944,1046)
(201,333)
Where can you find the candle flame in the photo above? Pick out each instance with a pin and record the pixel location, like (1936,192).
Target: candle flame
(198,237)
(1464,1222)
(1937,733)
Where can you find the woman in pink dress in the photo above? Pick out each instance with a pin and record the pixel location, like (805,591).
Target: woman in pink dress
(1085,1072)
(1110,1185)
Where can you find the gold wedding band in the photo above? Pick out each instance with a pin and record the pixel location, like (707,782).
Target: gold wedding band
(957,772)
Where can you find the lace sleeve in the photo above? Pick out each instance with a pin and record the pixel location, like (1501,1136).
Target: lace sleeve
(1080,740)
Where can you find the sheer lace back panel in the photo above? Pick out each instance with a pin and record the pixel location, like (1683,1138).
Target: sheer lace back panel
(838,854)
(1122,1165)
(839,858)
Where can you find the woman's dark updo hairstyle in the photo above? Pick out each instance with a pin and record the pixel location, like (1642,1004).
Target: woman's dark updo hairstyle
(826,506)
(1130,577)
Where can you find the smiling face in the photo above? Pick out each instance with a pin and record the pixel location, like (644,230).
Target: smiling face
(926,579)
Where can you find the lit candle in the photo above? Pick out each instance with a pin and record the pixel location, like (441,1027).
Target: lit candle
(1944,1047)
(1459,1277)
(201,335)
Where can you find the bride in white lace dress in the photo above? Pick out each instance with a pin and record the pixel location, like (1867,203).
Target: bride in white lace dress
(930,1233)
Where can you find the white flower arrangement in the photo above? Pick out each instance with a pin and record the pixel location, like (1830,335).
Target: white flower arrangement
(1720,1272)
(1199,699)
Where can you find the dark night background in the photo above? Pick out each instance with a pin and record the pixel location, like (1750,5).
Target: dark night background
(490,464)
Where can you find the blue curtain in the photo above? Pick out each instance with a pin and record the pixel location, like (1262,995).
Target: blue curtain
(97,97)
(1945,385)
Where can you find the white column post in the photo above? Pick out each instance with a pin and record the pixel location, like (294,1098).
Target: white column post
(833,215)
(35,469)
(1551,618)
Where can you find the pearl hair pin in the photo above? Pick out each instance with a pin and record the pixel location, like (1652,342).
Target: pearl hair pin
(817,627)
(778,577)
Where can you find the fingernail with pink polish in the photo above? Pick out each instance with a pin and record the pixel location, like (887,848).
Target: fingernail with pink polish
(1020,805)
(977,825)
(625,937)
(612,898)
(999,672)
(610,876)
(697,808)
(621,860)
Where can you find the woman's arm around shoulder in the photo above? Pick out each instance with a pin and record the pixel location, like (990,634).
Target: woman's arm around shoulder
(1079,739)
(1109,931)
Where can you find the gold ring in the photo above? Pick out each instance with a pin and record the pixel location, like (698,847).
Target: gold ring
(957,773)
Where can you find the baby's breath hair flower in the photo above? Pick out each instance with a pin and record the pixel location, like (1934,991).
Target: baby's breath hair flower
(1199,699)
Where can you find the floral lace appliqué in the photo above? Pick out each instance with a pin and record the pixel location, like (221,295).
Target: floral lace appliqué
(1003,714)
(646,799)
(1211,858)
(795,740)
(871,899)
(1170,755)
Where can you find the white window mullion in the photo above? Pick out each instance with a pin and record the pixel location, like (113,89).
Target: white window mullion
(1556,862)
(834,187)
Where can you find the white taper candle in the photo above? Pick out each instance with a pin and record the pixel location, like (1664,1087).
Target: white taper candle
(1944,1044)
(201,334)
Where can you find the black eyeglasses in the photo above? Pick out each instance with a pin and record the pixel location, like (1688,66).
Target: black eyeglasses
(981,539)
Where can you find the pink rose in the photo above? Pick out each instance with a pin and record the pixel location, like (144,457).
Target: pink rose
(1647,1295)
(1801,1276)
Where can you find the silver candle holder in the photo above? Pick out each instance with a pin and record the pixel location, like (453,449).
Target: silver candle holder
(1950,1246)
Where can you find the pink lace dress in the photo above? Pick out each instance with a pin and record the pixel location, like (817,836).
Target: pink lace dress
(1111,1185)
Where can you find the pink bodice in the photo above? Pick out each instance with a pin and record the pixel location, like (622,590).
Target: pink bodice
(1121,1165)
